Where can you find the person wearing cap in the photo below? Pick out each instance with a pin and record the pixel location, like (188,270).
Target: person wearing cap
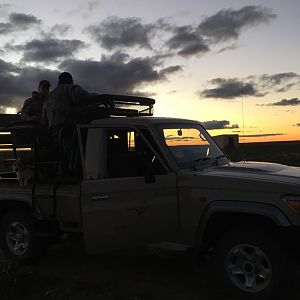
(58,107)
(32,107)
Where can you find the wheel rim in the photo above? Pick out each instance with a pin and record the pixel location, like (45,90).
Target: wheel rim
(17,238)
(249,268)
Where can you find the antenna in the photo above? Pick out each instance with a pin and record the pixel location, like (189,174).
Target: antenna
(243,117)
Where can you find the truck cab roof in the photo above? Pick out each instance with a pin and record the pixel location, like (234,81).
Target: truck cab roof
(141,121)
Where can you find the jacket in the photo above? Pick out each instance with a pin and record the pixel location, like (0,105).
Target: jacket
(58,107)
(32,109)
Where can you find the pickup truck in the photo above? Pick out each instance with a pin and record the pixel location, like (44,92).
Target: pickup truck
(120,181)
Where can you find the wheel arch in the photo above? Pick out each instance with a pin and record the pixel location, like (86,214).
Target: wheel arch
(219,216)
(13,205)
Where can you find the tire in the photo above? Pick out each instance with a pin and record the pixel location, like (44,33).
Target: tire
(17,239)
(251,264)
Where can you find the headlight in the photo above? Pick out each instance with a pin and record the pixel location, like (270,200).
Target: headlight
(293,202)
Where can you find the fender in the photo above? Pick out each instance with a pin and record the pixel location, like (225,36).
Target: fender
(16,198)
(269,211)
(13,199)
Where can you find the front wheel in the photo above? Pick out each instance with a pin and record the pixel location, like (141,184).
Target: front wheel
(251,264)
(17,239)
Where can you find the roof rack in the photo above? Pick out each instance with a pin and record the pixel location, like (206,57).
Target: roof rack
(108,105)
(120,105)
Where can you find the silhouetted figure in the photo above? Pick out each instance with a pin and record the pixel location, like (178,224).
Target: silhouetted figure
(32,107)
(58,108)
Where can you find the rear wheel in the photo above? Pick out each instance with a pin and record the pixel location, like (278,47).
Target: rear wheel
(251,263)
(17,239)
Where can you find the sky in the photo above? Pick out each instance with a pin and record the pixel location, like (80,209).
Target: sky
(233,65)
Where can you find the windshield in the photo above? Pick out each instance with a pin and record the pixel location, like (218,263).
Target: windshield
(191,145)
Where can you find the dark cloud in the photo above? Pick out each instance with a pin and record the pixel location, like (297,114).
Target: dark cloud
(48,50)
(277,79)
(17,83)
(115,32)
(214,124)
(117,73)
(18,22)
(228,23)
(261,135)
(230,47)
(286,87)
(257,86)
(230,89)
(283,102)
(298,125)
(282,82)
(223,26)
(186,41)
(60,29)
(169,70)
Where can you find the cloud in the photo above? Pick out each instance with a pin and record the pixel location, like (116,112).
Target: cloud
(169,70)
(17,83)
(279,78)
(281,81)
(115,32)
(187,41)
(117,73)
(172,92)
(223,26)
(286,88)
(283,102)
(256,86)
(298,125)
(230,89)
(48,50)
(233,46)
(228,23)
(19,22)
(214,124)
(262,135)
(60,29)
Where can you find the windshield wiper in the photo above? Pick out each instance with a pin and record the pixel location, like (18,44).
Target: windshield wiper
(218,157)
(215,160)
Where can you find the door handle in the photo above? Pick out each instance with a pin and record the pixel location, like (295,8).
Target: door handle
(98,198)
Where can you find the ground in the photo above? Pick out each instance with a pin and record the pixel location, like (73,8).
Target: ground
(65,273)
(287,153)
(143,274)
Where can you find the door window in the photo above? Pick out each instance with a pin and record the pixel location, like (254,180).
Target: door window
(119,153)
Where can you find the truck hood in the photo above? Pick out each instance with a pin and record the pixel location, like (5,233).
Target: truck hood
(247,176)
(264,168)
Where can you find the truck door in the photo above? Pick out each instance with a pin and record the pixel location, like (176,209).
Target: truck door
(129,196)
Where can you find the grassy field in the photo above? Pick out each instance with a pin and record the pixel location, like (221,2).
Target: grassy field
(65,273)
(287,153)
